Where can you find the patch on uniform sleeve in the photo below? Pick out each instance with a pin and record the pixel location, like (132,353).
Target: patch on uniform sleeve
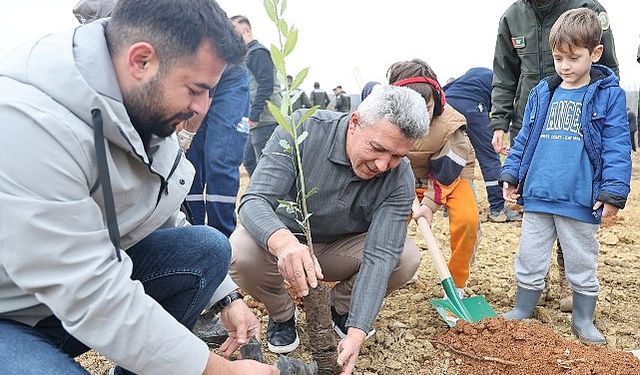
(604,20)
(518,42)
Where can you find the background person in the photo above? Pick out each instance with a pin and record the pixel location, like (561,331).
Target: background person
(319,97)
(263,86)
(470,94)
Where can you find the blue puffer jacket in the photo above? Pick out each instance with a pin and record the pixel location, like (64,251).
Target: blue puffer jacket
(606,136)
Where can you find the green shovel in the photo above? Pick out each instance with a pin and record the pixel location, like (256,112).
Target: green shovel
(471,309)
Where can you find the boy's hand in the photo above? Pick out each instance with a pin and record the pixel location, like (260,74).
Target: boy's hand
(509,192)
(425,212)
(608,210)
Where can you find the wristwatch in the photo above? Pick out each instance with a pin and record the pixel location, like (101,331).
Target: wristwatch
(226,301)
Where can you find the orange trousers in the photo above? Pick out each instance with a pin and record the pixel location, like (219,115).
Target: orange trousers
(460,201)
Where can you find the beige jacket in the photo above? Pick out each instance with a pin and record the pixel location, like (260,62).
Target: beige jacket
(443,156)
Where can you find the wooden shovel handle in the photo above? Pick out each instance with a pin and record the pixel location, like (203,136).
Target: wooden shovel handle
(432,245)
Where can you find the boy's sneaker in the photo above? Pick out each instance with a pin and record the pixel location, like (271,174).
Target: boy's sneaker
(282,337)
(339,322)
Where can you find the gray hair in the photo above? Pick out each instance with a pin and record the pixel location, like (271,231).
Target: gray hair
(400,106)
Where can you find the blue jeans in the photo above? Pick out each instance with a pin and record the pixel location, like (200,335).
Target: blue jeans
(480,135)
(258,138)
(216,153)
(179,267)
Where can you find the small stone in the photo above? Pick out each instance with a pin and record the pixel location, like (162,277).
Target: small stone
(418,297)
(394,325)
(394,365)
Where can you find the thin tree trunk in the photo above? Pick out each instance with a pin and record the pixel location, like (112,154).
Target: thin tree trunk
(322,339)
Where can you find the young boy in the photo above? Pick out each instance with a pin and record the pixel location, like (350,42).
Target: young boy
(443,163)
(570,166)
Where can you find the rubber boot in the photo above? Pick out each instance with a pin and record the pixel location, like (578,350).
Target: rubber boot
(582,319)
(566,301)
(526,301)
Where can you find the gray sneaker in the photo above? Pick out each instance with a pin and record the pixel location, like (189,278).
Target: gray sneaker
(504,215)
(512,215)
(497,216)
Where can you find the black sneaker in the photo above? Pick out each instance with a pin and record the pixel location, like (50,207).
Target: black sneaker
(209,329)
(282,337)
(339,322)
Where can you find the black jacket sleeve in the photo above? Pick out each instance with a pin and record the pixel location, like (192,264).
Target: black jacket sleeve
(261,66)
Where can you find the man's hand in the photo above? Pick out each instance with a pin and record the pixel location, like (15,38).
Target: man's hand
(252,124)
(498,142)
(349,348)
(220,366)
(425,212)
(299,267)
(608,210)
(509,192)
(248,366)
(240,323)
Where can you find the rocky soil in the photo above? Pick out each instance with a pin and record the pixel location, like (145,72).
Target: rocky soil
(412,339)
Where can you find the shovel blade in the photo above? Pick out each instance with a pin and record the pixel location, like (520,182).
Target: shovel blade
(477,307)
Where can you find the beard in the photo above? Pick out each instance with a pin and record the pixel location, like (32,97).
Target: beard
(145,106)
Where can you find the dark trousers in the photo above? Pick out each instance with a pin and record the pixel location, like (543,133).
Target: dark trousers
(258,138)
(480,135)
(217,151)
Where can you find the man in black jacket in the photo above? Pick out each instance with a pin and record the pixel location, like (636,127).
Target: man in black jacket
(263,86)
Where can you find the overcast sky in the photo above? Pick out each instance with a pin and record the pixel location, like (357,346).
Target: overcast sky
(350,42)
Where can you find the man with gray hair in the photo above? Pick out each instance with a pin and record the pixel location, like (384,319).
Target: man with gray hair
(365,188)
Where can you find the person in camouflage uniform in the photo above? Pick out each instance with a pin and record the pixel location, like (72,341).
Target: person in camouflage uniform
(343,101)
(319,97)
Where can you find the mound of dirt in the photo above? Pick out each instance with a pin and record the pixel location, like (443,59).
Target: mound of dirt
(497,346)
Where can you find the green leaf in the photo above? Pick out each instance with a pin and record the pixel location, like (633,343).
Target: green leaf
(282,80)
(278,60)
(302,137)
(280,118)
(270,7)
(292,39)
(311,192)
(285,104)
(283,7)
(299,78)
(286,146)
(289,206)
(308,114)
(283,27)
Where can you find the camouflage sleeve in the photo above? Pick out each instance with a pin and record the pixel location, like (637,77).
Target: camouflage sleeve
(506,69)
(609,54)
